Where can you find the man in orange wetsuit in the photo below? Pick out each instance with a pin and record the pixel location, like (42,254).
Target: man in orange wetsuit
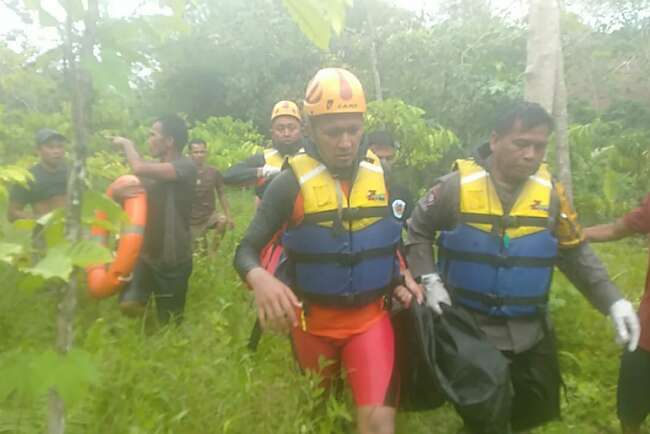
(340,238)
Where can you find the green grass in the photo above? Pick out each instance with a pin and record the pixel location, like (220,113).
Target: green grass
(199,378)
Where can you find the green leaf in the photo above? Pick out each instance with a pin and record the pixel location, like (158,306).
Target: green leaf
(9,250)
(46,19)
(56,263)
(311,19)
(86,252)
(93,201)
(113,71)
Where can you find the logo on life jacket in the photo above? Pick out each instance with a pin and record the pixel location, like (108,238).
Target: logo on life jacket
(373,195)
(537,206)
(398,206)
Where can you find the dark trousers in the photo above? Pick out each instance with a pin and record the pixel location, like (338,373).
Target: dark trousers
(536,381)
(633,395)
(167,284)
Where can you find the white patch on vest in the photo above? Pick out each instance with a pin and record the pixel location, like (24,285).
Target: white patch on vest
(542,181)
(371,167)
(473,177)
(271,152)
(309,175)
(399,206)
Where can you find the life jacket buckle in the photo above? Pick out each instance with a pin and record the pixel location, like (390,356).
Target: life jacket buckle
(510,222)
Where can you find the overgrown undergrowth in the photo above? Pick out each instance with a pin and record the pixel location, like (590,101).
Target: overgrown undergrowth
(200,378)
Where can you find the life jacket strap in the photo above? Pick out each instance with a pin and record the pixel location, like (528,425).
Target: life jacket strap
(347,214)
(346,301)
(492,300)
(345,259)
(505,221)
(496,260)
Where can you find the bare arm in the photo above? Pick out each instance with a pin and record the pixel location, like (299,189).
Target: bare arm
(17,211)
(225,205)
(608,232)
(140,167)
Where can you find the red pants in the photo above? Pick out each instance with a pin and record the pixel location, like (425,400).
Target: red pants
(368,359)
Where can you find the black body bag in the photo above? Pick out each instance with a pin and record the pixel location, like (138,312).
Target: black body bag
(448,358)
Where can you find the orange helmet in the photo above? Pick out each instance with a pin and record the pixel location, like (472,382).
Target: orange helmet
(286,108)
(334,90)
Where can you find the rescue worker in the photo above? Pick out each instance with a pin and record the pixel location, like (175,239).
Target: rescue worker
(47,190)
(165,263)
(502,223)
(205,217)
(286,138)
(634,376)
(340,239)
(385,147)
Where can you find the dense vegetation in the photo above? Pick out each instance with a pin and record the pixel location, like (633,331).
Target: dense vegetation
(444,73)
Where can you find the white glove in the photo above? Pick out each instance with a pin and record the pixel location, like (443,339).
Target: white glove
(268,171)
(626,323)
(435,292)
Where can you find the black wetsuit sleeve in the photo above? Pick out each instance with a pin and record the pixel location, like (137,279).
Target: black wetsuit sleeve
(244,172)
(274,211)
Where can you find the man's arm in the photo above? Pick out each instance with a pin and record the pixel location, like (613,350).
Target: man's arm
(144,168)
(276,303)
(223,201)
(608,232)
(246,171)
(582,267)
(274,211)
(17,211)
(635,221)
(435,211)
(19,197)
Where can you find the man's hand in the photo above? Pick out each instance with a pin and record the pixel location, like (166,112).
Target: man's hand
(120,142)
(267,171)
(626,323)
(435,292)
(410,289)
(276,303)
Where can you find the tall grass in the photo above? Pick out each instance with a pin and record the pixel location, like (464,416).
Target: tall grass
(199,378)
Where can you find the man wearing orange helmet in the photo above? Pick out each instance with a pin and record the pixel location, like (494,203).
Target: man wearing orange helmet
(286,137)
(340,238)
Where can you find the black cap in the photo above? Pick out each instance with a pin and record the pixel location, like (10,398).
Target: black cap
(44,135)
(382,138)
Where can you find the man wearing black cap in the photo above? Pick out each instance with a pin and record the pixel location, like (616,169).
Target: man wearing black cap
(384,146)
(47,191)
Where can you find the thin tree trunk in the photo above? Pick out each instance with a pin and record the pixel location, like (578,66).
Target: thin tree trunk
(562,150)
(374,63)
(545,82)
(80,86)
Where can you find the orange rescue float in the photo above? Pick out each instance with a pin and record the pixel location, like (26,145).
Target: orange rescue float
(103,280)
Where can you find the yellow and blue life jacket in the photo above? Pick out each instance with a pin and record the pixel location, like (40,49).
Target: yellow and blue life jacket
(272,157)
(500,263)
(343,253)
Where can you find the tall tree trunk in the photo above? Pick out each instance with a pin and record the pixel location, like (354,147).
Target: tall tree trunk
(545,82)
(79,83)
(374,64)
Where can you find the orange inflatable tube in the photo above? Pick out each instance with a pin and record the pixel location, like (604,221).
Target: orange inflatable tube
(106,280)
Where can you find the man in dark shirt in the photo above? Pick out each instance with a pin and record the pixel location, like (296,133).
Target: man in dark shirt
(204,215)
(47,191)
(165,262)
(634,376)
(385,147)
(287,139)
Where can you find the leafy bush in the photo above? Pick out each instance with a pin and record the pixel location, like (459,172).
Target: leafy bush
(229,140)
